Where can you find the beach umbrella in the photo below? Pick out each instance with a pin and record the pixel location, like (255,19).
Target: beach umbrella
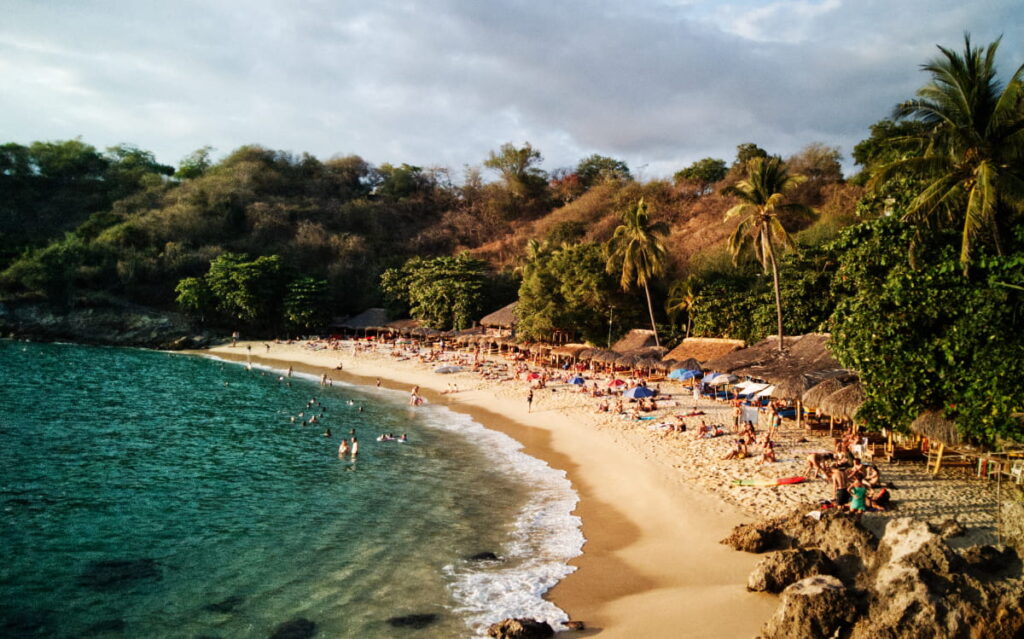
(638,392)
(532,376)
(721,378)
(577,380)
(447,369)
(767,392)
(616,383)
(683,374)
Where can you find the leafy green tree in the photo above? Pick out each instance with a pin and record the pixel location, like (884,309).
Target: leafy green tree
(568,232)
(682,297)
(54,271)
(398,182)
(248,290)
(972,147)
(444,292)
(195,164)
(195,298)
(595,169)
(307,304)
(704,173)
(131,169)
(927,337)
(762,198)
(519,169)
(746,152)
(636,252)
(817,162)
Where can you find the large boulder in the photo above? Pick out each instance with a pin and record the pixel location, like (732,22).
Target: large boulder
(520,629)
(776,570)
(814,607)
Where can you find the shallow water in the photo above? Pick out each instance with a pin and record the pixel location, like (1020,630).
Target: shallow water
(162,495)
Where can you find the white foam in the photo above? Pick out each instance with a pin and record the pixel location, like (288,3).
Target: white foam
(546,536)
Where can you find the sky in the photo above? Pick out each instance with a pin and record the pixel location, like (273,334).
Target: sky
(656,83)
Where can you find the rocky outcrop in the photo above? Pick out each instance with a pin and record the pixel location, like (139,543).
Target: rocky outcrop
(817,606)
(910,583)
(776,570)
(111,324)
(520,629)
(1012,516)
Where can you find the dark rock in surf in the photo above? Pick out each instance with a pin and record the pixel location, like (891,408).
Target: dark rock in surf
(295,629)
(416,622)
(520,629)
(225,605)
(483,556)
(118,573)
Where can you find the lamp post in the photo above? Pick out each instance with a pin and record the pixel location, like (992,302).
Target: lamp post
(611,314)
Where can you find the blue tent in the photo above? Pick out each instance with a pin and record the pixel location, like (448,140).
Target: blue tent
(638,392)
(683,374)
(577,380)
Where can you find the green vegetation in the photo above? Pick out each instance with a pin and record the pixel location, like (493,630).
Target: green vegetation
(915,265)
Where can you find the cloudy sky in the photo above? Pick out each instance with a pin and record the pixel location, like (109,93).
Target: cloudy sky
(658,83)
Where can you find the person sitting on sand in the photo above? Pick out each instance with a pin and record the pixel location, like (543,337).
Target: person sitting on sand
(768,455)
(871,475)
(879,500)
(739,451)
(703,429)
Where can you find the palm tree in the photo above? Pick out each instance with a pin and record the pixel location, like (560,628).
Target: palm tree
(637,252)
(683,297)
(762,196)
(971,145)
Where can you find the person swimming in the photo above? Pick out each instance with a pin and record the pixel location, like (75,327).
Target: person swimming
(327,433)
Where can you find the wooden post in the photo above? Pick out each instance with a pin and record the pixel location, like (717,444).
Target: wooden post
(938,458)
(799,414)
(831,424)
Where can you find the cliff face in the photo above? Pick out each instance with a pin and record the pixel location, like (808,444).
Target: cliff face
(106,325)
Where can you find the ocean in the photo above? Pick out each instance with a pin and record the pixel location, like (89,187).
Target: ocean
(151,494)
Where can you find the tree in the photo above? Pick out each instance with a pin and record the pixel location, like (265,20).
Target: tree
(637,253)
(704,173)
(972,147)
(598,168)
(762,198)
(248,290)
(519,169)
(444,292)
(306,304)
(746,152)
(817,162)
(195,164)
(682,297)
(195,297)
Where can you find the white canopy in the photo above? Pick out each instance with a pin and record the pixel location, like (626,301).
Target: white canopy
(767,392)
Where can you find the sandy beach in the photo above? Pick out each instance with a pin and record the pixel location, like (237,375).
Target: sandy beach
(654,503)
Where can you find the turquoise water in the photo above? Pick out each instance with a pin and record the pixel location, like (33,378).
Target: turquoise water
(150,494)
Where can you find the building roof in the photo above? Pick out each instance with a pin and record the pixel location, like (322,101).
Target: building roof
(703,349)
(502,318)
(634,340)
(369,318)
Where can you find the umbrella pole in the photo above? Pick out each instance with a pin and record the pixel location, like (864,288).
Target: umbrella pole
(831,425)
(799,414)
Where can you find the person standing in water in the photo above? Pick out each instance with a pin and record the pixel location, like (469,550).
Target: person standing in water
(343,448)
(355,447)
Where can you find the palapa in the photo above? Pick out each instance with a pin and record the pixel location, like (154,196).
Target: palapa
(703,349)
(756,355)
(843,403)
(688,364)
(504,317)
(820,391)
(371,317)
(936,427)
(635,339)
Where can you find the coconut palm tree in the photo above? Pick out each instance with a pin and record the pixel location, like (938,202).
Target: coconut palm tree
(762,199)
(682,297)
(972,146)
(636,252)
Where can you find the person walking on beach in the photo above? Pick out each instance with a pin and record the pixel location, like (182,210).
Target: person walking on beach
(529,401)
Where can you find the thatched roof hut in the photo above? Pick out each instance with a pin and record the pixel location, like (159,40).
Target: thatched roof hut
(633,340)
(689,364)
(704,349)
(371,317)
(764,351)
(934,425)
(844,403)
(820,391)
(402,326)
(791,386)
(504,317)
(569,350)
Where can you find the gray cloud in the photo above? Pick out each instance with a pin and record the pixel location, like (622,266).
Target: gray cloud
(656,83)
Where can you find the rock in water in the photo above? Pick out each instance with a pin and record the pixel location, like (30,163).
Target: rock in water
(413,621)
(225,605)
(295,629)
(814,607)
(575,625)
(117,573)
(520,629)
(777,570)
(483,556)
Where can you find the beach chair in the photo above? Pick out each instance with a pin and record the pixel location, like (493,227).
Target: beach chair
(1017,471)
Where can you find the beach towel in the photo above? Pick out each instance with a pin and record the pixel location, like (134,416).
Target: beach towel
(765,483)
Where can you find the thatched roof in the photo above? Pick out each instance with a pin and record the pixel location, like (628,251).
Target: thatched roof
(844,402)
(402,326)
(633,340)
(369,318)
(820,391)
(703,349)
(502,318)
(789,386)
(934,425)
(760,353)
(689,364)
(569,350)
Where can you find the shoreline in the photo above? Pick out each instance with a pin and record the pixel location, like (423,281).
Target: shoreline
(651,564)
